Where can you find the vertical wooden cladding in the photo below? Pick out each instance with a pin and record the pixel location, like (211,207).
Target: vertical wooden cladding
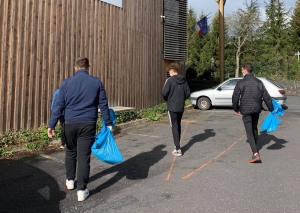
(41,39)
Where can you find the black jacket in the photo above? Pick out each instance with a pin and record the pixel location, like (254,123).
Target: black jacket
(250,92)
(175,91)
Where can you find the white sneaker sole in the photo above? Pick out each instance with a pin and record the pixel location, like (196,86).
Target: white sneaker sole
(70,184)
(176,154)
(82,194)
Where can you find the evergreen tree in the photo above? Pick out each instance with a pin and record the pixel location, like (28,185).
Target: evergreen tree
(191,39)
(208,48)
(201,49)
(295,41)
(276,37)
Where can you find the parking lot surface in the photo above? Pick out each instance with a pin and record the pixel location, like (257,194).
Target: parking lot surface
(213,175)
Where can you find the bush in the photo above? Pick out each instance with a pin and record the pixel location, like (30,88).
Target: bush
(154,113)
(38,138)
(25,136)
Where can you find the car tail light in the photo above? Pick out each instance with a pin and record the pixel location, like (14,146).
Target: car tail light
(281,91)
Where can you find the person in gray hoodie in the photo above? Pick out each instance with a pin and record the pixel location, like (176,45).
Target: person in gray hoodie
(175,91)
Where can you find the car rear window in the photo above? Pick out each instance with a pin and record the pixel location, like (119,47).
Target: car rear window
(277,85)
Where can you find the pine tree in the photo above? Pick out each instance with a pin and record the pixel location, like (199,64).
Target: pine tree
(295,42)
(276,37)
(295,27)
(191,39)
(201,49)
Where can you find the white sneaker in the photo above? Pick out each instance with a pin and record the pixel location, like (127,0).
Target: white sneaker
(177,152)
(70,184)
(82,194)
(62,146)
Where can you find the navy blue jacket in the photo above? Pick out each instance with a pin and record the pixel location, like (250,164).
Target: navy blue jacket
(79,97)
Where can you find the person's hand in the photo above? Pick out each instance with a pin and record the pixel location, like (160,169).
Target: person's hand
(238,113)
(50,132)
(110,128)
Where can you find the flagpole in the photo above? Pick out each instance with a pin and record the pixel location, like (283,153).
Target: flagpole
(221,38)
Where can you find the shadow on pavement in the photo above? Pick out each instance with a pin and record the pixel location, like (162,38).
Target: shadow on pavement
(134,168)
(264,139)
(198,138)
(25,188)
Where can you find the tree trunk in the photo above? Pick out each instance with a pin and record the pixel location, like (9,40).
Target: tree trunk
(237,57)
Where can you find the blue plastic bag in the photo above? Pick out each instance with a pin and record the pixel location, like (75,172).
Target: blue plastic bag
(105,148)
(270,123)
(277,108)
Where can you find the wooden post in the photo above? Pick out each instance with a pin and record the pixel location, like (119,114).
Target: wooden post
(221,38)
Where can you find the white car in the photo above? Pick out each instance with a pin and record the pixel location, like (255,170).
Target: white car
(221,95)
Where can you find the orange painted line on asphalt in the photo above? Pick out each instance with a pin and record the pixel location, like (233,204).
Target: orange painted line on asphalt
(232,145)
(170,170)
(201,167)
(188,175)
(242,137)
(174,159)
(215,158)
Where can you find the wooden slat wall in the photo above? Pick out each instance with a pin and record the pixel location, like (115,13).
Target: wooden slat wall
(40,40)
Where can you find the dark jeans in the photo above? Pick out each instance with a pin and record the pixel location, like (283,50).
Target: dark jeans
(175,121)
(62,133)
(80,138)
(250,123)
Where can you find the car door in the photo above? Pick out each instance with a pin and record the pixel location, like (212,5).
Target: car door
(223,94)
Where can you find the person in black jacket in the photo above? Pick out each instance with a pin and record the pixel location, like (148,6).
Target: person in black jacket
(175,92)
(247,100)
(79,98)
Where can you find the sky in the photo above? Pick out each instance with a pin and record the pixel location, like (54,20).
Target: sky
(211,6)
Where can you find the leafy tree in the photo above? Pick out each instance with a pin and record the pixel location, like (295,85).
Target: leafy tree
(242,28)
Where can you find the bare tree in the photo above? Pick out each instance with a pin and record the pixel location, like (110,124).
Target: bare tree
(242,27)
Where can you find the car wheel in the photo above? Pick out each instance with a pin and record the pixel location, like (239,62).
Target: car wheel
(203,103)
(264,106)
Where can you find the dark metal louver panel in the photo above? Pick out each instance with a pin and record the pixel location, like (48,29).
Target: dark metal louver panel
(175,29)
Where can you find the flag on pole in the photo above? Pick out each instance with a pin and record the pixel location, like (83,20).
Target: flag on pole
(201,26)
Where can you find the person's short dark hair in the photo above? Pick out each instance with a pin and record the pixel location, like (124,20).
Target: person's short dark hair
(174,67)
(248,66)
(82,63)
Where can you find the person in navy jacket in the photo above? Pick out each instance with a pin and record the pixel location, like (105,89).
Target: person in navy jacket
(79,98)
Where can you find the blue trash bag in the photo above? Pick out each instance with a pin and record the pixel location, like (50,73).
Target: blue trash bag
(105,148)
(270,123)
(277,108)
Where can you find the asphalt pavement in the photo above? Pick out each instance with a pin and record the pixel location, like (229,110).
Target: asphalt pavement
(212,176)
